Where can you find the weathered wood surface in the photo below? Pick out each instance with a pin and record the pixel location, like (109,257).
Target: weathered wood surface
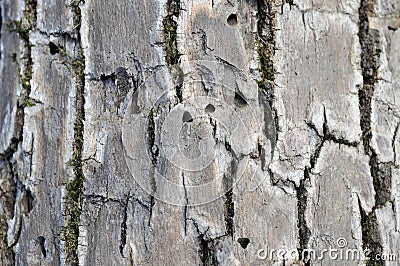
(173,132)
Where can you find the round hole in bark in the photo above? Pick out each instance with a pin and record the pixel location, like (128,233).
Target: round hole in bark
(54,49)
(210,108)
(232,20)
(187,117)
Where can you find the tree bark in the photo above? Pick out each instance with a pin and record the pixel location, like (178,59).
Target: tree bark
(208,132)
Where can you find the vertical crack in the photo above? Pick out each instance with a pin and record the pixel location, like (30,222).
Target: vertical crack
(124,227)
(266,50)
(370,52)
(304,231)
(172,55)
(8,199)
(206,248)
(185,207)
(206,251)
(154,152)
(7,255)
(302,193)
(75,187)
(228,182)
(170,32)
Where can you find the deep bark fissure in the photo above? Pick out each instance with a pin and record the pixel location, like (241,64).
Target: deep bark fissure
(172,55)
(370,52)
(23,28)
(186,203)
(228,183)
(124,227)
(206,247)
(75,187)
(266,48)
(154,152)
(304,231)
(206,251)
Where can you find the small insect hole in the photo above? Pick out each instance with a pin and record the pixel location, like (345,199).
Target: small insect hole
(210,108)
(187,117)
(232,20)
(42,242)
(54,49)
(244,242)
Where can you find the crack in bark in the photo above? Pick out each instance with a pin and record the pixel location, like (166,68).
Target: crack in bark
(266,51)
(124,227)
(7,255)
(185,208)
(23,29)
(371,49)
(154,152)
(327,135)
(75,187)
(207,246)
(304,231)
(172,55)
(229,204)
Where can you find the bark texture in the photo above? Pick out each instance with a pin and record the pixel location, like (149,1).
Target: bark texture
(207,132)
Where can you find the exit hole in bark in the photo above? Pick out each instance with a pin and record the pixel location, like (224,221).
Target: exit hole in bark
(42,242)
(54,49)
(232,20)
(210,108)
(187,117)
(239,100)
(244,242)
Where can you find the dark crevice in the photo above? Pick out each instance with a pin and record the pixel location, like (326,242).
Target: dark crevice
(370,236)
(124,227)
(7,255)
(75,188)
(304,231)
(229,213)
(206,251)
(170,25)
(206,247)
(172,55)
(228,182)
(154,152)
(185,207)
(370,52)
(23,29)
(302,194)
(266,50)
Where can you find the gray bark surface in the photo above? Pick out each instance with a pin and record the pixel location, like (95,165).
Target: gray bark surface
(175,132)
